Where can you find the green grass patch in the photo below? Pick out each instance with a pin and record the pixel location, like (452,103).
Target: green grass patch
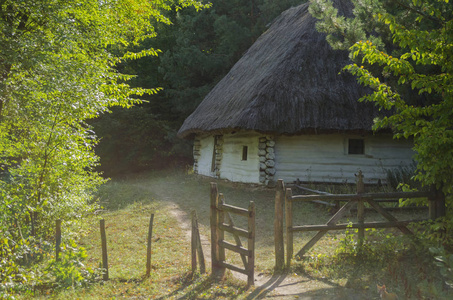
(334,263)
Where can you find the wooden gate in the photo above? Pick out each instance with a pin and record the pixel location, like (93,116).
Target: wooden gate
(222,222)
(436,209)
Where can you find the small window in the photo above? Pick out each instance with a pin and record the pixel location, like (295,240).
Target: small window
(244,152)
(356,146)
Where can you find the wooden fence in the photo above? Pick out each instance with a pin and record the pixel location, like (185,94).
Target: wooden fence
(222,222)
(105,264)
(436,201)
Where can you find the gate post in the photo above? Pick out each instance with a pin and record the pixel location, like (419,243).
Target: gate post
(360,209)
(251,245)
(436,204)
(217,270)
(278,226)
(289,225)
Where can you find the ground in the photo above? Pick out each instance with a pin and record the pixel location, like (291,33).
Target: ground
(284,286)
(324,273)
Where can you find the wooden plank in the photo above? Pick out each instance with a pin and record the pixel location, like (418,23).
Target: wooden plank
(388,216)
(344,197)
(312,191)
(234,230)
(238,249)
(233,267)
(236,239)
(354,225)
(323,203)
(341,197)
(234,209)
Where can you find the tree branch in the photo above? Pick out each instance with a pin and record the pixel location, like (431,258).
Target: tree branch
(440,22)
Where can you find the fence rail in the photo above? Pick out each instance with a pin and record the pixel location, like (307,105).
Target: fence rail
(284,197)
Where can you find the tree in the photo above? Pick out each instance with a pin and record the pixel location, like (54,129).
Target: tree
(58,63)
(198,49)
(403,50)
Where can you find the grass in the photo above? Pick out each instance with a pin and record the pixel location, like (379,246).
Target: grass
(333,266)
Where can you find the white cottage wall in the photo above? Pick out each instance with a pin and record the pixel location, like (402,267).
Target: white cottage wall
(233,166)
(325,158)
(204,166)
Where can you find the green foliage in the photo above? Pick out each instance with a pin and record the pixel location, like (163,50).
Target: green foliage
(444,261)
(58,68)
(404,52)
(197,50)
(12,272)
(376,246)
(69,270)
(134,140)
(403,175)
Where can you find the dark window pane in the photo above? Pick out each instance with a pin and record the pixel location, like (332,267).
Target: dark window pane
(356,146)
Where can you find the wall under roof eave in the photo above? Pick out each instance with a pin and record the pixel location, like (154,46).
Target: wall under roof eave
(325,158)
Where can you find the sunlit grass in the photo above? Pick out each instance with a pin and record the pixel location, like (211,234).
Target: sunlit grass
(129,202)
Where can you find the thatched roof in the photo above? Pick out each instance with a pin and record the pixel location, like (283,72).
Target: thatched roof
(288,82)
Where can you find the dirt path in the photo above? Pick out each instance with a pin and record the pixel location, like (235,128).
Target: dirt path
(287,286)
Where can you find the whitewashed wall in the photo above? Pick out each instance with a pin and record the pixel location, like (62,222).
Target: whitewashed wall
(325,158)
(233,167)
(204,163)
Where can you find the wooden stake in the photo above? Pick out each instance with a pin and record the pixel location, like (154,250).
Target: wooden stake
(217,269)
(57,239)
(105,264)
(148,249)
(196,248)
(251,245)
(360,209)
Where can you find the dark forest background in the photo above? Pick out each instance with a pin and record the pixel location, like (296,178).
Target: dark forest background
(198,49)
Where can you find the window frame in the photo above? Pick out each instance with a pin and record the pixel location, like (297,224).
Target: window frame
(356,146)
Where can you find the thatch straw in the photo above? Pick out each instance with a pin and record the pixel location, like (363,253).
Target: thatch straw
(288,82)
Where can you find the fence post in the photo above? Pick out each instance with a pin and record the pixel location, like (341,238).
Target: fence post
(105,264)
(220,233)
(217,270)
(440,206)
(57,239)
(436,204)
(199,247)
(148,249)
(193,244)
(251,245)
(213,220)
(196,246)
(278,226)
(289,225)
(360,209)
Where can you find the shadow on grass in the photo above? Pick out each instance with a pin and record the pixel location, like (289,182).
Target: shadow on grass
(286,289)
(205,287)
(261,291)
